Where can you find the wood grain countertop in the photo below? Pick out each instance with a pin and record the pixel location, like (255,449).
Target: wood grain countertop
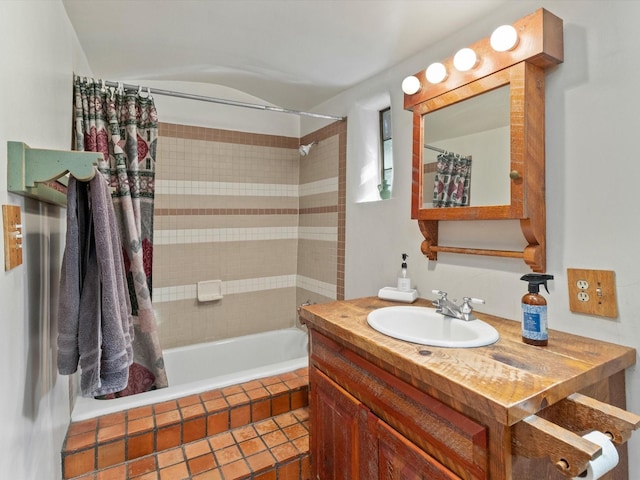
(508,380)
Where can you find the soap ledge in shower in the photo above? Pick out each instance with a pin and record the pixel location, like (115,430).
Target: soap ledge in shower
(209,290)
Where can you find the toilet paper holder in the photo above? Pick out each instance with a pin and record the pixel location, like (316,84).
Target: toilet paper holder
(556,432)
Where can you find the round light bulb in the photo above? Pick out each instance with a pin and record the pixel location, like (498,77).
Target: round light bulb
(411,85)
(504,38)
(465,60)
(436,73)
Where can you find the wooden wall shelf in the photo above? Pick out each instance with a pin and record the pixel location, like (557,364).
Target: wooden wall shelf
(40,174)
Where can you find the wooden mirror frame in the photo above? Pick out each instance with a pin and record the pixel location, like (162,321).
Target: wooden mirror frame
(523,69)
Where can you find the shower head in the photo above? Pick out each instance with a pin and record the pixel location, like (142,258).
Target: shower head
(304,149)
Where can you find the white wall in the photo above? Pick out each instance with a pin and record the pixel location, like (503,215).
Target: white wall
(39,52)
(592,174)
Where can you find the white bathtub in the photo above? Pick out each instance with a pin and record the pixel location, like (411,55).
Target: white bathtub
(206,366)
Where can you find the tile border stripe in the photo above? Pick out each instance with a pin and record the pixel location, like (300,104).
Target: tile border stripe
(234,287)
(217,235)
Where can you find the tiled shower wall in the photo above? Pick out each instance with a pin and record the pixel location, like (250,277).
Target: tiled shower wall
(246,209)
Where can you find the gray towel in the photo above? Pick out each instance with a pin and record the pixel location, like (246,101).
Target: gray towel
(95,328)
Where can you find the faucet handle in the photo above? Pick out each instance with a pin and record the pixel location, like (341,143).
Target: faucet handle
(443,295)
(466,309)
(468,300)
(439,303)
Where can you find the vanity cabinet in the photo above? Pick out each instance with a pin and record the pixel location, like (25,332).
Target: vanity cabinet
(382,408)
(367,424)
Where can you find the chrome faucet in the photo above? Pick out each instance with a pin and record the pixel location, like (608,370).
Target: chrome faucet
(450,309)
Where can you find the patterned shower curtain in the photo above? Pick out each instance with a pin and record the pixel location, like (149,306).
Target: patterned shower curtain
(453,181)
(123,125)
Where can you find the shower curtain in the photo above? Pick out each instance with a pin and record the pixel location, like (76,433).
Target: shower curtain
(123,125)
(453,181)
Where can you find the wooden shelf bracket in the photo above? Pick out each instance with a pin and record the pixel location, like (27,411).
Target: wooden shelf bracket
(583,414)
(29,169)
(535,437)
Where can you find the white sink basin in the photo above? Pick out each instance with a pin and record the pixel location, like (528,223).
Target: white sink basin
(424,326)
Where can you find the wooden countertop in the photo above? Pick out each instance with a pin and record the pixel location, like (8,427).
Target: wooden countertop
(508,380)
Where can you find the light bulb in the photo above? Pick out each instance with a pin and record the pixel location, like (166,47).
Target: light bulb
(436,73)
(465,60)
(411,85)
(504,38)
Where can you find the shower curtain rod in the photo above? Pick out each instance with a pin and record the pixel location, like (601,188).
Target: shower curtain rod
(435,149)
(440,150)
(234,103)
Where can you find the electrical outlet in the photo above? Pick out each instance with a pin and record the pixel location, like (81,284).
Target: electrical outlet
(583,296)
(592,292)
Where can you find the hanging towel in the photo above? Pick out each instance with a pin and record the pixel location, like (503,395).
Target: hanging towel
(95,327)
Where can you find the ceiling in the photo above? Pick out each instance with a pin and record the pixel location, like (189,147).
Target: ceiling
(291,53)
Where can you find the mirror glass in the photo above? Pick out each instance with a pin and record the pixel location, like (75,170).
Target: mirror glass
(477,128)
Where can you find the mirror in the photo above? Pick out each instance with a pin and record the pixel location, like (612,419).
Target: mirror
(479,129)
(517,177)
(495,191)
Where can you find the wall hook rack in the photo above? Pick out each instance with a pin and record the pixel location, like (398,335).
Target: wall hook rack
(30,171)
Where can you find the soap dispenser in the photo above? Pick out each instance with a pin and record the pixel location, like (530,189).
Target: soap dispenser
(534,310)
(404,292)
(404,282)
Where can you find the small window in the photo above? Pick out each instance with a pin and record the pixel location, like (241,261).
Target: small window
(386,160)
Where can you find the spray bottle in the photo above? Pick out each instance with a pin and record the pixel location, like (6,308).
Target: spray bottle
(534,310)
(404,282)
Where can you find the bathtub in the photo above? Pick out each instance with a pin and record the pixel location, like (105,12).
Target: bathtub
(206,366)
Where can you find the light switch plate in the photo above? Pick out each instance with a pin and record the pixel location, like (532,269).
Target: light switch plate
(12,230)
(592,292)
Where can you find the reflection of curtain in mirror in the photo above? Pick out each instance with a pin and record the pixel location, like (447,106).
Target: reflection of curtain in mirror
(453,180)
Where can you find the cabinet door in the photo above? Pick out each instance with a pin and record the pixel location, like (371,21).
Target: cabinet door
(339,435)
(400,459)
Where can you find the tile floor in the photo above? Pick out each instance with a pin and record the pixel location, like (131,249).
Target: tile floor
(158,441)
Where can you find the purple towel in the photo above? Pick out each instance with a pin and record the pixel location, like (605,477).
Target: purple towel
(95,328)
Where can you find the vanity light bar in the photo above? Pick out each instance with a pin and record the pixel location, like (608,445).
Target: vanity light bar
(503,38)
(536,38)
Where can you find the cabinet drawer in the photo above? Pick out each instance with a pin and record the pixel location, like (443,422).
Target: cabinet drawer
(449,437)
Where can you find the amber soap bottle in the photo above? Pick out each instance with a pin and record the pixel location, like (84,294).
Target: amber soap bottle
(534,310)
